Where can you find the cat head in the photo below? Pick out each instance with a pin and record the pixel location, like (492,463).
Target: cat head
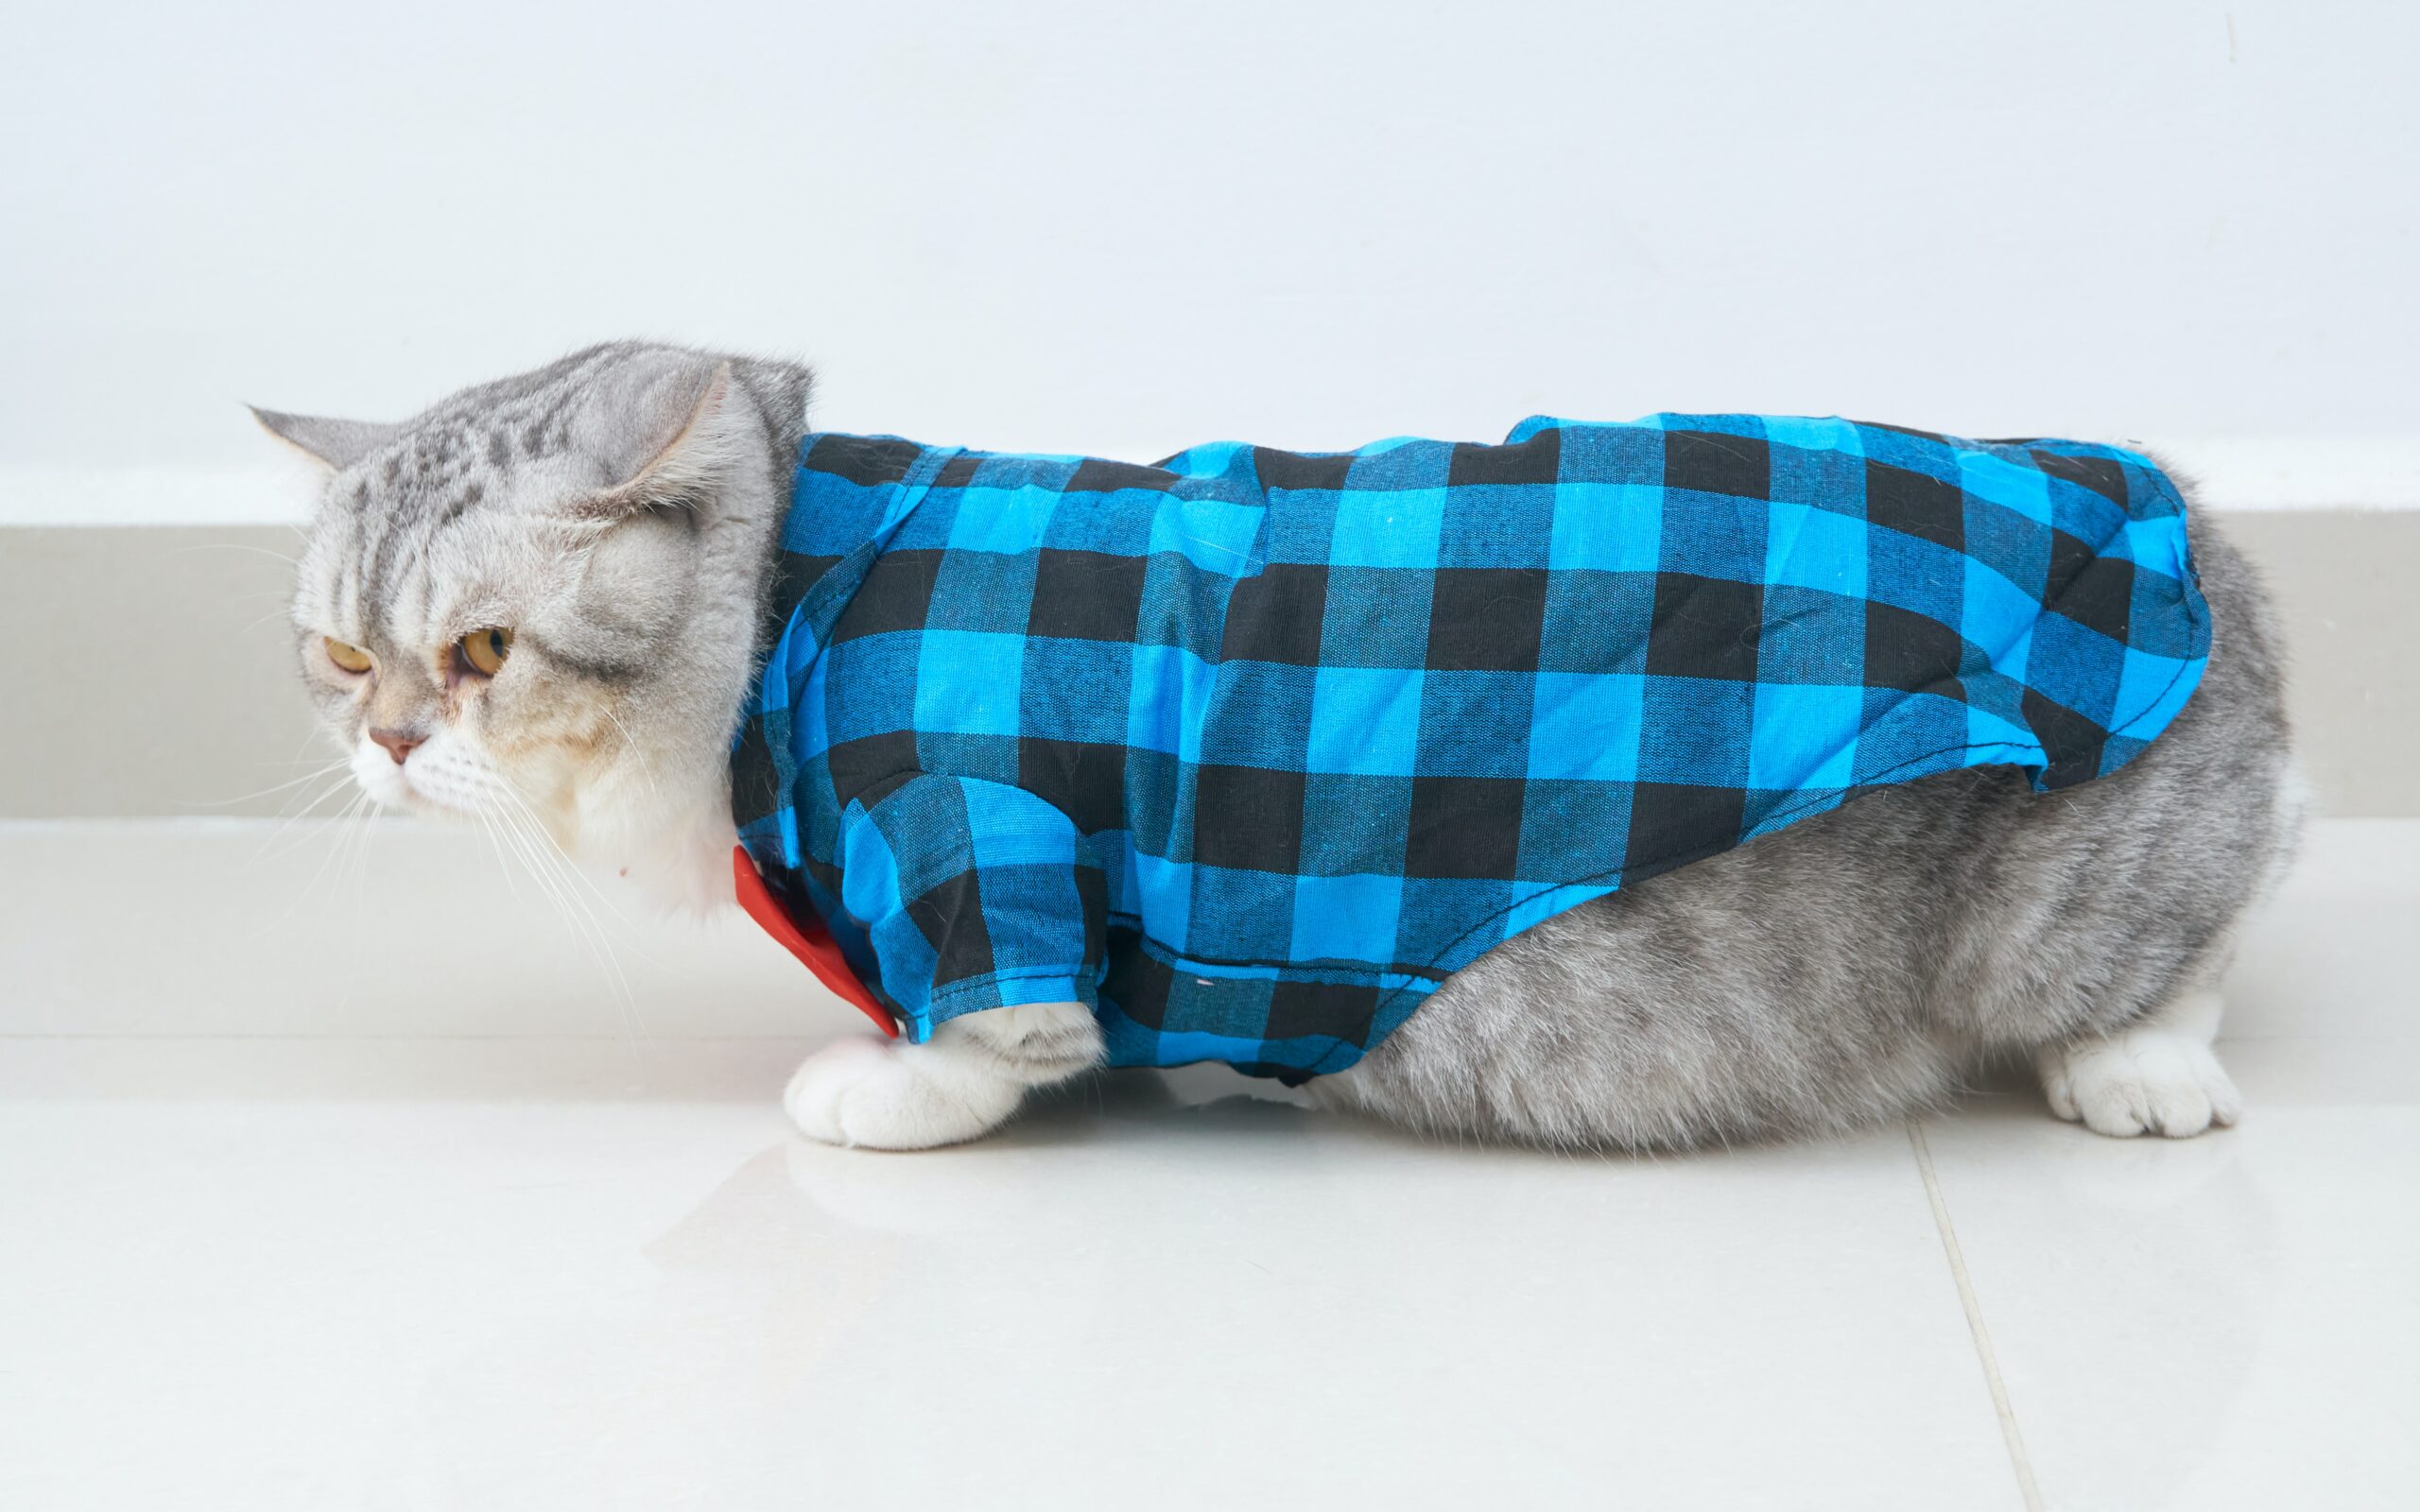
(537,601)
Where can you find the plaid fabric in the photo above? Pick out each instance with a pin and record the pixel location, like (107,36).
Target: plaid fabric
(1249,750)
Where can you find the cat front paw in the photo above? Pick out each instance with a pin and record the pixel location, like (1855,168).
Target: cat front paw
(2139,1081)
(867,1093)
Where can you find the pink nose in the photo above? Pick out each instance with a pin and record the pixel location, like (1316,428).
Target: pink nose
(399,743)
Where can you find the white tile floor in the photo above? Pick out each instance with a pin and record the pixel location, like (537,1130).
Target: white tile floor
(264,1247)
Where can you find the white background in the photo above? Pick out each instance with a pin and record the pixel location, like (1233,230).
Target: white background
(1123,228)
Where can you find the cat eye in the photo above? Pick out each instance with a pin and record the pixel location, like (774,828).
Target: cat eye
(482,652)
(351,658)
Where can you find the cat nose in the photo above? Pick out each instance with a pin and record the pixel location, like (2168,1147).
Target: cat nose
(399,743)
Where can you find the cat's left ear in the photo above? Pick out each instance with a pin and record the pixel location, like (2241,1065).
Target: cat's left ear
(663,435)
(334,444)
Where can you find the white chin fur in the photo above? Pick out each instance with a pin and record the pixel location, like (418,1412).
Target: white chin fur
(679,859)
(674,847)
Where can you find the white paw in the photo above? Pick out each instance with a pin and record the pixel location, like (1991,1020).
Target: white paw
(867,1093)
(2143,1080)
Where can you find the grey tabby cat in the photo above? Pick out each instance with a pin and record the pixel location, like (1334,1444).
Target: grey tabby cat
(543,595)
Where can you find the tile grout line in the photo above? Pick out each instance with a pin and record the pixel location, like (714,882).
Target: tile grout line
(2015,1440)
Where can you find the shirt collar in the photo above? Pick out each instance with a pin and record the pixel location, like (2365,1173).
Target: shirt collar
(849,497)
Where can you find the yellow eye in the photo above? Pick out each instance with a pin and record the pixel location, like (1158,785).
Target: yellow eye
(483,651)
(351,658)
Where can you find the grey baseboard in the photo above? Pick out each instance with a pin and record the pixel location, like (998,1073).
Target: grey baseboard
(148,669)
(2341,579)
(154,672)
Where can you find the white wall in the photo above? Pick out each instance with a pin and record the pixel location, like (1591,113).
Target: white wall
(1118,228)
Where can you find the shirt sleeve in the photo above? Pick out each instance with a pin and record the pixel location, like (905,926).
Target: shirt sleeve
(974,895)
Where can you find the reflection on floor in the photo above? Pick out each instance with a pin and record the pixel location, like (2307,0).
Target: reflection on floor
(247,1263)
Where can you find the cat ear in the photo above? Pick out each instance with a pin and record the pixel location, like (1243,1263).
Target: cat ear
(662,433)
(335,444)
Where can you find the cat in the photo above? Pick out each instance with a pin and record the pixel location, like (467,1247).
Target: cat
(545,596)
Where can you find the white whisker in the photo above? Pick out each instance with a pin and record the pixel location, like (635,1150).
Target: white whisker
(311,887)
(495,847)
(358,839)
(263,853)
(237,545)
(564,879)
(647,768)
(292,781)
(277,613)
(570,867)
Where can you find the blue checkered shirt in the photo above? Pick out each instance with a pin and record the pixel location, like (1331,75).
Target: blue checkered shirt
(1249,750)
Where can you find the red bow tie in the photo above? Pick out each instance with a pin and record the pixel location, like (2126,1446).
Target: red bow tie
(810,942)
